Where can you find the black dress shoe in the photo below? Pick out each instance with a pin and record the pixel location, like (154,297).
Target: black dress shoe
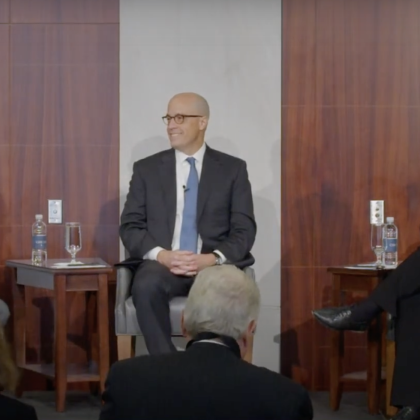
(339,319)
(407,413)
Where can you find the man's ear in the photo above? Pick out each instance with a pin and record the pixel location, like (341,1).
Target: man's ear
(252,327)
(203,123)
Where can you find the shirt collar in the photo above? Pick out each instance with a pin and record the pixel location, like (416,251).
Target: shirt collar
(198,155)
(210,341)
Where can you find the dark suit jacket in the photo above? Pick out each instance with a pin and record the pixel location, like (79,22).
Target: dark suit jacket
(225,212)
(11,409)
(207,381)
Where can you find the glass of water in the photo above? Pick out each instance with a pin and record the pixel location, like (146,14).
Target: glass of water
(377,244)
(73,239)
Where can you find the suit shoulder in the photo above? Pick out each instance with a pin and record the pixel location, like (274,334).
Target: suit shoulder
(225,157)
(277,381)
(17,408)
(139,362)
(128,364)
(153,159)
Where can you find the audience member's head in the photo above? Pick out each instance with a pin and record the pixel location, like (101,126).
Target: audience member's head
(225,301)
(8,372)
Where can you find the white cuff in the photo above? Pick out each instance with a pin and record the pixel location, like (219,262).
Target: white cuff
(152,254)
(222,257)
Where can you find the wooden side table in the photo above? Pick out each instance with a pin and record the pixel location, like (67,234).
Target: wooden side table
(62,281)
(356,280)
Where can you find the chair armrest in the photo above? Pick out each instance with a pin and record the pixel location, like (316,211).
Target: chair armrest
(123,292)
(250,272)
(124,279)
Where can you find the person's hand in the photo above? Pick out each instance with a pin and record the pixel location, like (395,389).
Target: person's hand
(180,263)
(190,265)
(204,260)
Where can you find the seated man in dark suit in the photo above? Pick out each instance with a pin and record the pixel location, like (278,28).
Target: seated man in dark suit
(399,295)
(10,408)
(188,208)
(209,380)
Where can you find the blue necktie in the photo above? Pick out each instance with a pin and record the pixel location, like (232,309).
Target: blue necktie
(189,234)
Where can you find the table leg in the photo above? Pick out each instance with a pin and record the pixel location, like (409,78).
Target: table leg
(60,342)
(92,337)
(103,325)
(374,366)
(336,386)
(390,363)
(337,351)
(19,327)
(125,347)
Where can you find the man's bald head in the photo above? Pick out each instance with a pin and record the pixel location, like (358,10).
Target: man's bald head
(193,100)
(188,115)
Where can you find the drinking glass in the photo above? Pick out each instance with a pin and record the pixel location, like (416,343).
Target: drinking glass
(73,239)
(377,243)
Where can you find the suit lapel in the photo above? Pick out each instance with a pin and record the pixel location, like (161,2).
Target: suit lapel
(209,171)
(167,174)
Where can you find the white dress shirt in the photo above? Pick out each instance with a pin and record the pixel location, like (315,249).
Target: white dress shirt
(182,173)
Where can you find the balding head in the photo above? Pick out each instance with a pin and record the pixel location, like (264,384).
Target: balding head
(222,300)
(194,102)
(188,115)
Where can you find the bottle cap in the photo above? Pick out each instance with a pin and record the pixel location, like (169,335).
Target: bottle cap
(390,220)
(38,217)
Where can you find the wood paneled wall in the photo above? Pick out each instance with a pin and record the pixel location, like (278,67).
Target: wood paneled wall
(59,139)
(350,134)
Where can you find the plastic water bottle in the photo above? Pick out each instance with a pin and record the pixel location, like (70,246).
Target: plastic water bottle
(39,241)
(390,235)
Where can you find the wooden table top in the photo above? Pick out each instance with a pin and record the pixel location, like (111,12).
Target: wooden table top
(50,266)
(355,270)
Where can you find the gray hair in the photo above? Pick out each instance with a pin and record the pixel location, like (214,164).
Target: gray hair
(222,300)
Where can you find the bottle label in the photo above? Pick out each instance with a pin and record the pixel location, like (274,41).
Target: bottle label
(39,242)
(390,244)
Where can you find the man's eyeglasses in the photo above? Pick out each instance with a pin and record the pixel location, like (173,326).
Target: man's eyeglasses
(179,118)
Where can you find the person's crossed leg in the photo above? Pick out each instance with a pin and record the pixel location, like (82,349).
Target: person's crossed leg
(399,295)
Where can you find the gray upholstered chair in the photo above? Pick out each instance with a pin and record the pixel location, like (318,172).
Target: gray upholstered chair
(4,313)
(126,325)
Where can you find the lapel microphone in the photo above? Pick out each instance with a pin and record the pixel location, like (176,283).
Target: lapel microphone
(185,188)
(229,342)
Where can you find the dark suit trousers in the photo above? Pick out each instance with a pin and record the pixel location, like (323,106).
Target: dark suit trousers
(153,288)
(399,295)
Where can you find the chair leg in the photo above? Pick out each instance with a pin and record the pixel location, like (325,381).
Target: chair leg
(248,354)
(125,347)
(374,366)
